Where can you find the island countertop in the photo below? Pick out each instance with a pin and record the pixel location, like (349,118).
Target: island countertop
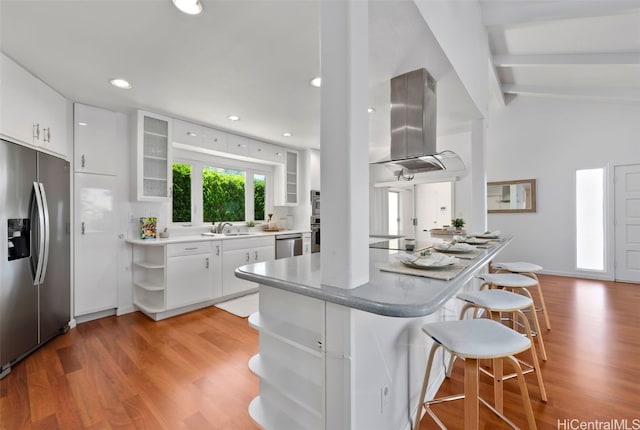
(388,294)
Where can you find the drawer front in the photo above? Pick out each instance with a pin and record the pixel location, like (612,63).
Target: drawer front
(188,248)
(247,243)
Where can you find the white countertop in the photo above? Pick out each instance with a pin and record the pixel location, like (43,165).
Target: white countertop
(201,238)
(386,293)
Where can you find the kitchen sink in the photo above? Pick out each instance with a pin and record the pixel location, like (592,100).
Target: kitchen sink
(237,234)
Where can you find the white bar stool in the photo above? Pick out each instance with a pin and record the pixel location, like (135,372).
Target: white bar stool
(526,269)
(473,340)
(516,283)
(499,301)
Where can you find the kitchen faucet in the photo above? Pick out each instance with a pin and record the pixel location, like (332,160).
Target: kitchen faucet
(220,227)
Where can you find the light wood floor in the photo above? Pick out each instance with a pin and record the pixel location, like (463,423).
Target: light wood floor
(190,372)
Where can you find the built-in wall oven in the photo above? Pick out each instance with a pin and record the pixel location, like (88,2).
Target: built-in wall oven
(315,233)
(315,202)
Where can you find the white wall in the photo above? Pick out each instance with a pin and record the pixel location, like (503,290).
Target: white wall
(548,139)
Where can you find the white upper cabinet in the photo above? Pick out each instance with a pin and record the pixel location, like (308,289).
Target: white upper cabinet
(238,145)
(32,113)
(292,178)
(95,140)
(187,133)
(153,156)
(197,135)
(214,140)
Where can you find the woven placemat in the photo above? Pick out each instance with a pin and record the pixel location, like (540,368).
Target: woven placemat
(445,273)
(463,255)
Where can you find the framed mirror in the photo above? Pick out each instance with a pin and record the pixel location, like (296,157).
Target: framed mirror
(511,196)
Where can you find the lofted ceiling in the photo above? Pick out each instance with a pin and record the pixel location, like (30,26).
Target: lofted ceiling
(578,49)
(255,58)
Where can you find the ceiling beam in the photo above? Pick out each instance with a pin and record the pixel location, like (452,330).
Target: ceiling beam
(496,13)
(495,86)
(613,59)
(613,94)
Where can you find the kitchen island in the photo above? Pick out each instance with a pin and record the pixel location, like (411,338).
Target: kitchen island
(333,358)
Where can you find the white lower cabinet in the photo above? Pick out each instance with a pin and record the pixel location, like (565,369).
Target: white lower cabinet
(95,244)
(189,273)
(239,252)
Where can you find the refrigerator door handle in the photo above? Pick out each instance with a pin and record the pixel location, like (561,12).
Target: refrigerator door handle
(45,210)
(37,198)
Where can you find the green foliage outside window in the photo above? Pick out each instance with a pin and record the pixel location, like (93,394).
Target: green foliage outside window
(181,192)
(222,195)
(258,197)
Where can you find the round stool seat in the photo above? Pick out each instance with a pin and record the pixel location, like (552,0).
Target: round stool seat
(497,300)
(508,280)
(518,266)
(477,338)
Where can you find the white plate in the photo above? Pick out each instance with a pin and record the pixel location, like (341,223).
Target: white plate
(455,248)
(488,235)
(476,241)
(434,261)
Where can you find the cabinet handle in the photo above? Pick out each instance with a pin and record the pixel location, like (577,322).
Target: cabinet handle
(36,131)
(217,249)
(206,264)
(256,254)
(47,134)
(248,258)
(82,161)
(191,249)
(82,228)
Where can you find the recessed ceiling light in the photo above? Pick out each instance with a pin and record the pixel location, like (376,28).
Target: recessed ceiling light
(287,134)
(120,83)
(233,118)
(316,82)
(83,124)
(371,110)
(190,7)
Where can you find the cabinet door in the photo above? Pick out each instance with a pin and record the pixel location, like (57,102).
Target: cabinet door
(95,244)
(188,280)
(264,253)
(292,178)
(231,260)
(216,269)
(95,139)
(53,119)
(187,133)
(214,140)
(16,102)
(153,173)
(31,111)
(237,145)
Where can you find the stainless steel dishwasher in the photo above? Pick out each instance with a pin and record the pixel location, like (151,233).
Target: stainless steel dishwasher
(288,245)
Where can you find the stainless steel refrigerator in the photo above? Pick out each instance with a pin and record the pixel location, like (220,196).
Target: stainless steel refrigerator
(35,254)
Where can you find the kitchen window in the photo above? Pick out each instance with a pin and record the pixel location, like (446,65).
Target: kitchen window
(207,191)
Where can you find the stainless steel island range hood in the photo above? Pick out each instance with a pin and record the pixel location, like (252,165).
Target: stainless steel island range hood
(413,128)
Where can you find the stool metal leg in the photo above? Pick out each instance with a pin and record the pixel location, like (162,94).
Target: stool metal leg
(425,384)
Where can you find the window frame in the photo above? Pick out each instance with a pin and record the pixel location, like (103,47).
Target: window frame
(198,161)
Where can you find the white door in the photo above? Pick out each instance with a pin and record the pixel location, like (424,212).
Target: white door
(95,244)
(627,223)
(188,279)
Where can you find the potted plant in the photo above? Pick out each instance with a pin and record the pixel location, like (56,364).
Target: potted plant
(251,225)
(457,223)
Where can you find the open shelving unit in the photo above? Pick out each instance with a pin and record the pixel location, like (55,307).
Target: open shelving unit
(291,396)
(149,278)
